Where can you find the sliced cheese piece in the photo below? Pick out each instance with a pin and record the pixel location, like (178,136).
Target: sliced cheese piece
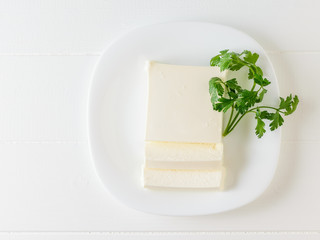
(179,107)
(183,152)
(171,155)
(199,165)
(183,178)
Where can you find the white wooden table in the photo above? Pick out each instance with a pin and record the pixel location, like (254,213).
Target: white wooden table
(48,186)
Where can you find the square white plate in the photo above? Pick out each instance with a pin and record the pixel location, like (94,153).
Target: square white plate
(117,119)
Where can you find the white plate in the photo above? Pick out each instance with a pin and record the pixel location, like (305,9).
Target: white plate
(117,118)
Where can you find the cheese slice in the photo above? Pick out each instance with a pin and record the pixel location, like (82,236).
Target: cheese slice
(179,107)
(183,178)
(172,155)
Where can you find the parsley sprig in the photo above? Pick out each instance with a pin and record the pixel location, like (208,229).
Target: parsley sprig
(229,95)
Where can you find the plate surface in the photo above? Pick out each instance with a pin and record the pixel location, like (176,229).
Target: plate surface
(117,119)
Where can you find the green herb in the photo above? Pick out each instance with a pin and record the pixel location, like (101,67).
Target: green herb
(229,95)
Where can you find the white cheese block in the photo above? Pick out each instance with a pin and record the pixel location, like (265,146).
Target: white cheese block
(183,178)
(183,138)
(172,155)
(179,107)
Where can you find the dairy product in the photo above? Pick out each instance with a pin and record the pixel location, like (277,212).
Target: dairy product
(179,107)
(183,178)
(183,146)
(172,155)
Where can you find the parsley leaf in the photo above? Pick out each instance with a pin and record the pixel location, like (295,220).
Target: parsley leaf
(266,115)
(294,103)
(260,130)
(277,121)
(249,57)
(215,89)
(246,100)
(233,85)
(225,61)
(261,95)
(284,104)
(224,104)
(258,79)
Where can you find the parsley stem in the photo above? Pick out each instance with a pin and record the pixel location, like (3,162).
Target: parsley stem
(231,115)
(254,85)
(234,123)
(228,125)
(230,130)
(235,118)
(227,129)
(277,109)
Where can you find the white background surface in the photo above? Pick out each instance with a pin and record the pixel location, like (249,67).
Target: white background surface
(48,187)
